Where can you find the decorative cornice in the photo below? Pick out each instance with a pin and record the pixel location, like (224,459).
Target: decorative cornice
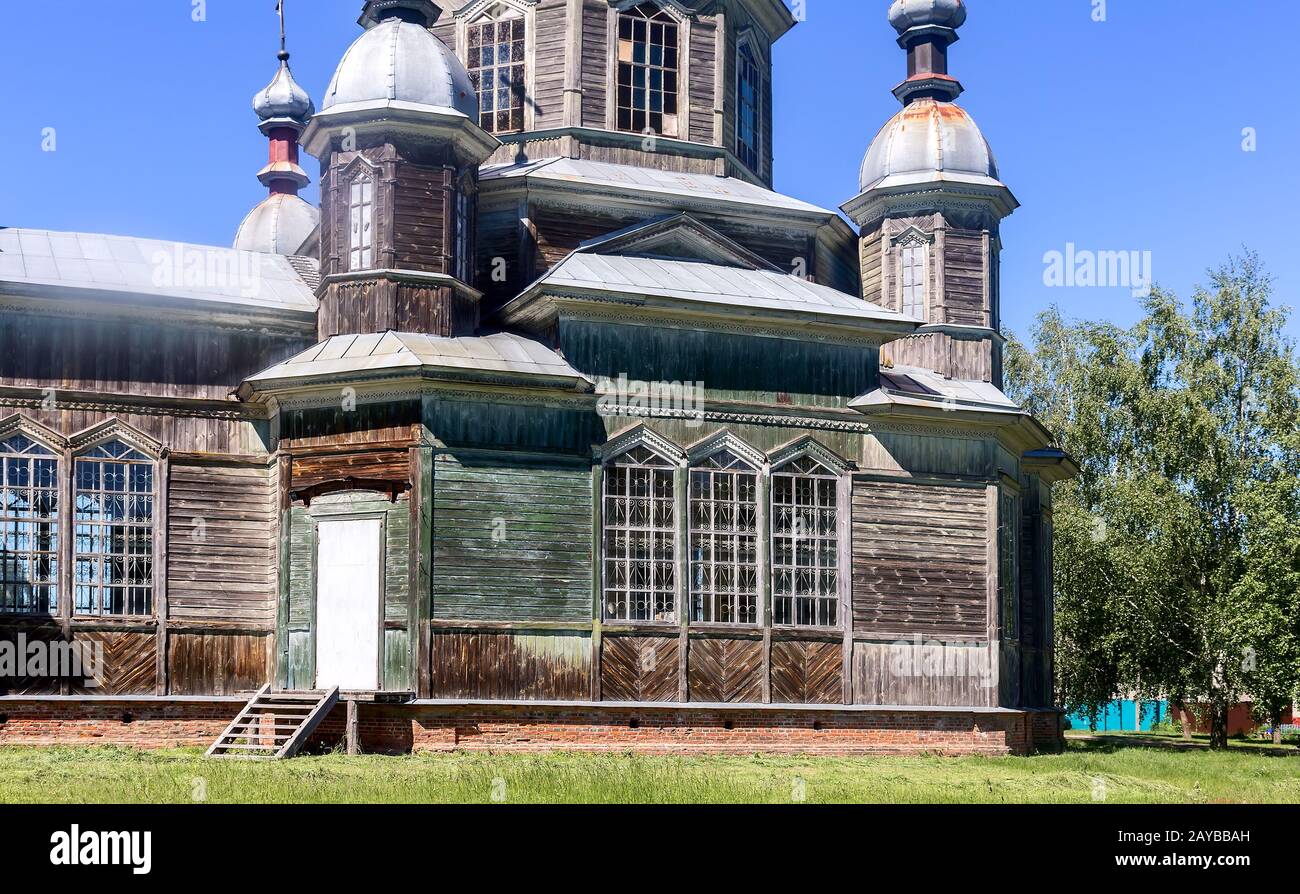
(807,445)
(725,440)
(19,424)
(115,429)
(117,404)
(640,435)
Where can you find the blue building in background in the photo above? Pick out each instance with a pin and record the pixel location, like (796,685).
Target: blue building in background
(1123,716)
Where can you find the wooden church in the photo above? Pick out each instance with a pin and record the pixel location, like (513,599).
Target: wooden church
(554,426)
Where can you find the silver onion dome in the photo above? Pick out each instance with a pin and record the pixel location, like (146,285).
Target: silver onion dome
(907,14)
(398,61)
(283,98)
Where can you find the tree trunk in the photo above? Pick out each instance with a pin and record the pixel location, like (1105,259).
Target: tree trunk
(1277,728)
(1218,726)
(1186,716)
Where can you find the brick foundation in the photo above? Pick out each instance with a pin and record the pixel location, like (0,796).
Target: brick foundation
(516,727)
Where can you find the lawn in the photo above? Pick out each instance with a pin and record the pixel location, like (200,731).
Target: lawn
(1114,769)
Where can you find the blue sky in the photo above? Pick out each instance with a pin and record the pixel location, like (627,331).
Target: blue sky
(1117,135)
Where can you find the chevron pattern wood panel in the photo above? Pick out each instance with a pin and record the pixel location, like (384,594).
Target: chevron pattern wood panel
(725,670)
(639,668)
(129,665)
(26,684)
(807,673)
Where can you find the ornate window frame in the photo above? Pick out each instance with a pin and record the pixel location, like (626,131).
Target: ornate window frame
(479,9)
(748,40)
(54,449)
(839,470)
(913,238)
(612,522)
(357,169)
(154,455)
(755,463)
(684,21)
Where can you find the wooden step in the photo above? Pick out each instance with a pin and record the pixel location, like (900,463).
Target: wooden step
(294,715)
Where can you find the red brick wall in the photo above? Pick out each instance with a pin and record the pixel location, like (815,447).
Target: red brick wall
(148,724)
(516,728)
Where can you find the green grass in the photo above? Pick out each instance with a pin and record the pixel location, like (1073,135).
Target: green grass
(1131,772)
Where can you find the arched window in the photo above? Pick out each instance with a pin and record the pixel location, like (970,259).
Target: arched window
(640,537)
(805,544)
(649,44)
(29,527)
(749,105)
(497,61)
(913,279)
(113,521)
(724,540)
(361,222)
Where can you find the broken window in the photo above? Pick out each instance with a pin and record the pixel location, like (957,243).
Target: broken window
(648,48)
(498,68)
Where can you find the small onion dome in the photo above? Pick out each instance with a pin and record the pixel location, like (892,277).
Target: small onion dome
(397,61)
(905,15)
(278,226)
(929,137)
(283,101)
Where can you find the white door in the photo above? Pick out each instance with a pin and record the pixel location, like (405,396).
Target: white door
(347,604)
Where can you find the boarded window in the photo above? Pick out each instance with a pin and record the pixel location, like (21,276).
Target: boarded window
(749,85)
(640,552)
(498,68)
(361,233)
(805,545)
(724,541)
(913,281)
(1009,563)
(648,50)
(113,532)
(29,527)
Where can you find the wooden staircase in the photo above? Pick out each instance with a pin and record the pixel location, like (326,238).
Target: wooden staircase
(274,725)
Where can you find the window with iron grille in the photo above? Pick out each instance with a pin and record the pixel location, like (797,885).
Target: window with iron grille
(749,92)
(648,48)
(640,538)
(361,218)
(29,527)
(724,540)
(498,68)
(805,545)
(113,526)
(913,280)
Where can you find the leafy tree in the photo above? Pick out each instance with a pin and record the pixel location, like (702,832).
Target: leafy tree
(1176,546)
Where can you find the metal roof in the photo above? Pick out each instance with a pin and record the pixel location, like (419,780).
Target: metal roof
(648,180)
(280,225)
(709,284)
(501,355)
(928,137)
(87,266)
(914,386)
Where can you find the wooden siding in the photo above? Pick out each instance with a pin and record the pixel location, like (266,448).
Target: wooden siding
(511,540)
(369,423)
(963,278)
(923,673)
(640,668)
(218,663)
(725,670)
(549,60)
(807,673)
(919,559)
(511,665)
(374,465)
(186,430)
(221,556)
(699,91)
(595,61)
(130,663)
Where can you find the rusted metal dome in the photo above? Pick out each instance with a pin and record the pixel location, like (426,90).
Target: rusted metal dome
(929,139)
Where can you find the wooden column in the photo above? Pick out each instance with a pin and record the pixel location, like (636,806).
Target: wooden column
(66,551)
(598,570)
(161,516)
(573,64)
(354,729)
(682,497)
